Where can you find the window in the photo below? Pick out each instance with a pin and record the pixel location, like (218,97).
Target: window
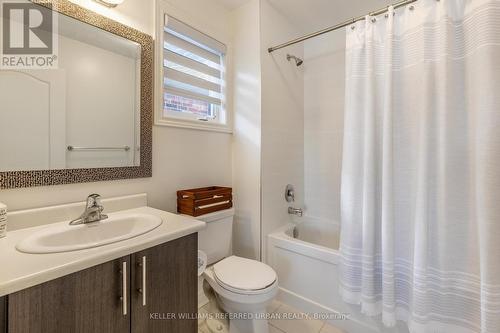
(193,76)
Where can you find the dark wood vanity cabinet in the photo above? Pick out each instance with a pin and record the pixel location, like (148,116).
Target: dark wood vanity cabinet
(86,301)
(158,288)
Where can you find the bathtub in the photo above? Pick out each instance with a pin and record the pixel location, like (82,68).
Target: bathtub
(306,258)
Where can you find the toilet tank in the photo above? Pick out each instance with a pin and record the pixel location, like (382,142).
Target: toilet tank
(216,239)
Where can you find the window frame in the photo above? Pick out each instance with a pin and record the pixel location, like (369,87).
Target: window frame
(186,120)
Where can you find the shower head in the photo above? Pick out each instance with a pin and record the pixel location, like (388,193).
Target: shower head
(298,61)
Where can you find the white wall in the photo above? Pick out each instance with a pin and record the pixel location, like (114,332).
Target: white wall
(101,92)
(247,130)
(282,121)
(324,86)
(182,158)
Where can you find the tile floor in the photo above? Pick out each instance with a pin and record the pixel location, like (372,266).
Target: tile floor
(306,325)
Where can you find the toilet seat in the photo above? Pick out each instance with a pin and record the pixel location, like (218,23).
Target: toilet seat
(244,276)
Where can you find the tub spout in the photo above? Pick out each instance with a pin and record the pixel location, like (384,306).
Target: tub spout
(295,211)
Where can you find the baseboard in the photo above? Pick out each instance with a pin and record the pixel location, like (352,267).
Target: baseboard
(308,306)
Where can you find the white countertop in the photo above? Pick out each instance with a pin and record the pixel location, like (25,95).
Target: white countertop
(22,270)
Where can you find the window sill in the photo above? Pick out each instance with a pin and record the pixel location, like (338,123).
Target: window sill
(195,125)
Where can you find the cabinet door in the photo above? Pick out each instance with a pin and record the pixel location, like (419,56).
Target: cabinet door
(84,302)
(3,315)
(168,289)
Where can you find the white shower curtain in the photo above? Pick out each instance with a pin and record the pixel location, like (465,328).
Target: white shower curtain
(420,237)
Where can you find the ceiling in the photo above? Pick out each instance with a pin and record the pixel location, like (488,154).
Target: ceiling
(232,4)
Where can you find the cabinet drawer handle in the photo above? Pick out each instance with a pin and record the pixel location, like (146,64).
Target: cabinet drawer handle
(142,290)
(124,288)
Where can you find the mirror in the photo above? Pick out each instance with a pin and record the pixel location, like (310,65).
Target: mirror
(90,111)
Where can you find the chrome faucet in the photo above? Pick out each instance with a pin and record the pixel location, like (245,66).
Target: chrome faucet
(93,211)
(295,211)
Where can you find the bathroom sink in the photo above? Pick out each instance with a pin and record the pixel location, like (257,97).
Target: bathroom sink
(61,237)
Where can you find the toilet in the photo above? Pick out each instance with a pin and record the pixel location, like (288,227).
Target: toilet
(243,287)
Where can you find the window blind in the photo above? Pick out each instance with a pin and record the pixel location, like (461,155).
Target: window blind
(193,64)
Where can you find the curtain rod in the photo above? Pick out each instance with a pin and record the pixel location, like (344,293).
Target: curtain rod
(338,26)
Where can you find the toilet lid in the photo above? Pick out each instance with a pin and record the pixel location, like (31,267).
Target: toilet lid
(244,274)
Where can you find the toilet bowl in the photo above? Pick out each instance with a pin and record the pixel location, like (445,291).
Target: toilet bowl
(244,288)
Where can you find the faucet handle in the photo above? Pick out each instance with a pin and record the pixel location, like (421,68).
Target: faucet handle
(93,200)
(289,193)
